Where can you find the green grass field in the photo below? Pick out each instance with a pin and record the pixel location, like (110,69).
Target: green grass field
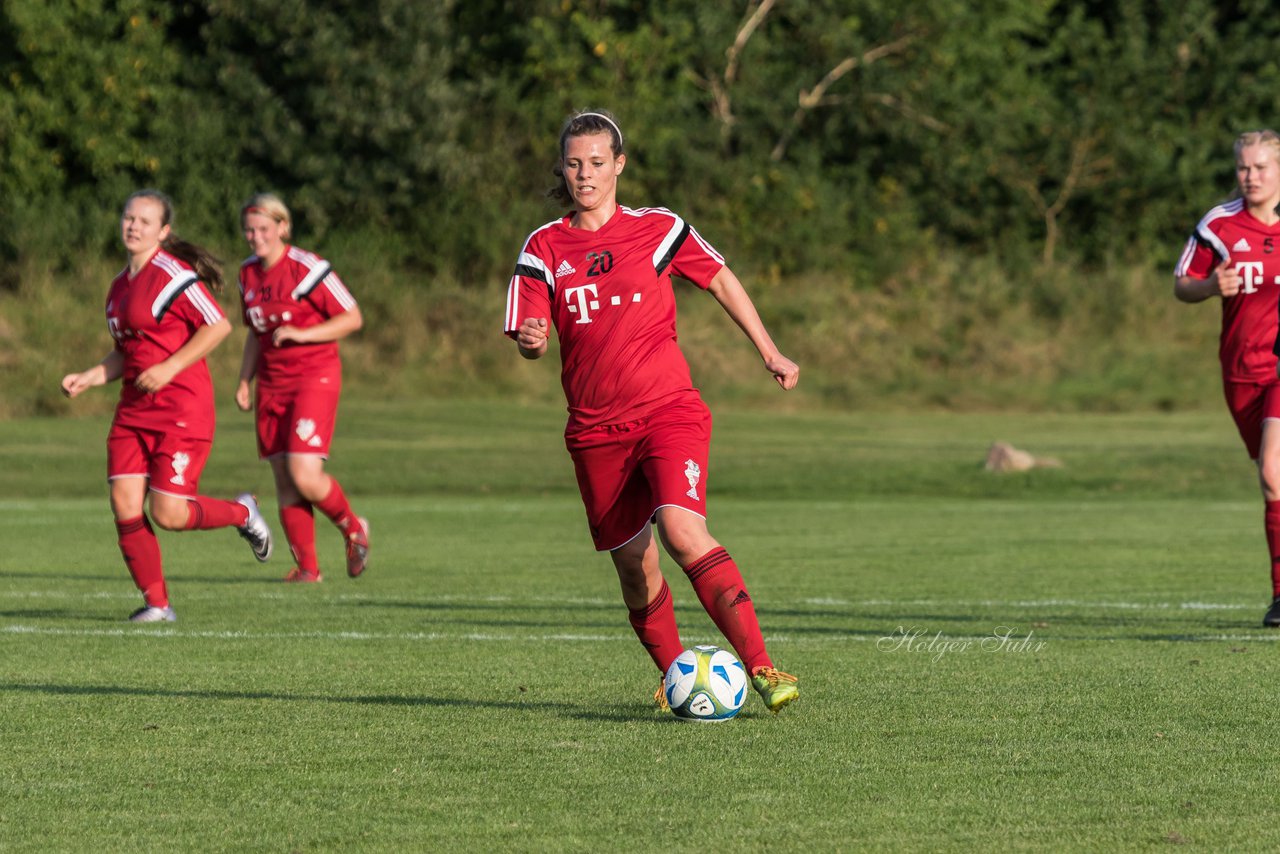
(480,689)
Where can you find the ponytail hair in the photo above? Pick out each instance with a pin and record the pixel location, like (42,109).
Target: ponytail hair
(586,123)
(208,267)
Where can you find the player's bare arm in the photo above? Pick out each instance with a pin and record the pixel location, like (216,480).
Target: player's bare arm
(531,337)
(733,298)
(200,345)
(1224,281)
(334,329)
(248,370)
(108,370)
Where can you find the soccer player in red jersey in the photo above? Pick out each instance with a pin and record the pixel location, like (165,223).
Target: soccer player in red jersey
(638,431)
(164,323)
(1234,254)
(297,309)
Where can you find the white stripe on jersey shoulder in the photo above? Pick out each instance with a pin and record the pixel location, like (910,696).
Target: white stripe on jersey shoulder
(678,227)
(706,247)
(643,211)
(528,259)
(179,278)
(167,262)
(1207,234)
(533,264)
(318,268)
(1188,252)
(208,309)
(339,291)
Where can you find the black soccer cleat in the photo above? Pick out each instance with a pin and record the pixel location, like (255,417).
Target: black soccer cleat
(1272,618)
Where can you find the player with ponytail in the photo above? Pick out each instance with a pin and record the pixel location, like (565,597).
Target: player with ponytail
(164,323)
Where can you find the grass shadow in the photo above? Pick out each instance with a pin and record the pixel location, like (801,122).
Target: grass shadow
(568,710)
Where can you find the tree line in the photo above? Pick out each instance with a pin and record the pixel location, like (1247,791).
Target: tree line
(798,135)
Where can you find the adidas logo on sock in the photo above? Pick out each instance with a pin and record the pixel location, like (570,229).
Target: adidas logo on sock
(740,598)
(564,270)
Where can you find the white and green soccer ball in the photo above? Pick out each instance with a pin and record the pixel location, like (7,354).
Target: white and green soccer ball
(705,683)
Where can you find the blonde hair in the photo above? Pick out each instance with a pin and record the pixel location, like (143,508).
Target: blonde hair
(1265,136)
(269,204)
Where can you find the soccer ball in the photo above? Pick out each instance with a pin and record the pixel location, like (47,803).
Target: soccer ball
(706,684)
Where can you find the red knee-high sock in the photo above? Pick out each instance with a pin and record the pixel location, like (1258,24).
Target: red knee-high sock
(718,583)
(299,525)
(141,552)
(205,513)
(1272,522)
(335,506)
(655,625)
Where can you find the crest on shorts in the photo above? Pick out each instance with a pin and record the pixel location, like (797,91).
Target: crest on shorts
(180,463)
(306,430)
(694,474)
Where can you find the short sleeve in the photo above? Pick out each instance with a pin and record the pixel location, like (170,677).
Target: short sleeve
(529,291)
(697,260)
(196,306)
(331,297)
(1198,259)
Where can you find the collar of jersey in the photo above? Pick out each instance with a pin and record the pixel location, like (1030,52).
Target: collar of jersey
(567,223)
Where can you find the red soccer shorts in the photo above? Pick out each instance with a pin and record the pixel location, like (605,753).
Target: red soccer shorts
(1250,405)
(627,471)
(299,421)
(173,462)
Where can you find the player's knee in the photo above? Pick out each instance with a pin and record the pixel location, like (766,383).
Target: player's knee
(172,516)
(1269,472)
(312,486)
(686,539)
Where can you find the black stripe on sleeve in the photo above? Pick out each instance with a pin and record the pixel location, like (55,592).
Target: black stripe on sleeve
(164,309)
(665,260)
(531,273)
(314,282)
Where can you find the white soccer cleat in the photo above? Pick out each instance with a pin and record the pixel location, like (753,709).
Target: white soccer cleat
(152,614)
(255,529)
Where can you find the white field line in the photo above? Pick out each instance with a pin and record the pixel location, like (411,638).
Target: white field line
(1039,603)
(156,633)
(124,593)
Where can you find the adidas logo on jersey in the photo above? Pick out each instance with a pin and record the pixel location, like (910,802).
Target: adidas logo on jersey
(564,270)
(1242,245)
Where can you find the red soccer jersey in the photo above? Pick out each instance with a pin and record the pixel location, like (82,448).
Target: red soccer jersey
(151,317)
(608,292)
(300,290)
(1251,318)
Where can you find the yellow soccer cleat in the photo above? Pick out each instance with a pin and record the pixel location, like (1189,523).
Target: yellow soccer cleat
(775,687)
(660,697)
